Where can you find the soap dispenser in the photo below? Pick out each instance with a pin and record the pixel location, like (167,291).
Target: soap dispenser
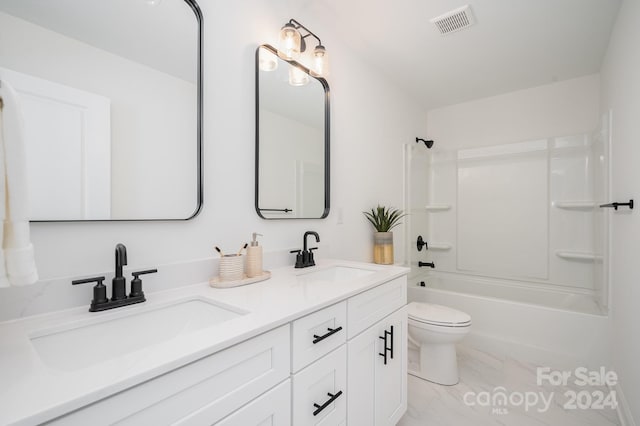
(254,257)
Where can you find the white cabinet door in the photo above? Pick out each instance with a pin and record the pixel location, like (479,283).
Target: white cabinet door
(319,391)
(391,379)
(361,366)
(271,409)
(377,391)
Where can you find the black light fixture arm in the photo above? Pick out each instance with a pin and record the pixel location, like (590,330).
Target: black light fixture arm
(298,25)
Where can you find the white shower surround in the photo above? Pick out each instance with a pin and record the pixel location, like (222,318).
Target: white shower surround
(525,211)
(551,314)
(510,188)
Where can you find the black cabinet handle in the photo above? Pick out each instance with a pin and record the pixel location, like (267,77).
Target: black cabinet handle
(332,397)
(388,348)
(384,352)
(330,332)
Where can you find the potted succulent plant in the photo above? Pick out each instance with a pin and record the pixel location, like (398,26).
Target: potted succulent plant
(383,220)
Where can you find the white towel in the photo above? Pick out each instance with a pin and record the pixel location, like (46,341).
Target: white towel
(17,260)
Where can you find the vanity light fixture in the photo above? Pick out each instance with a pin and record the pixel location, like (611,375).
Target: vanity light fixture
(320,63)
(292,45)
(290,41)
(297,76)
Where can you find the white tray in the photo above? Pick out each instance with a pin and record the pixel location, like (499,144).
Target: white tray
(217,283)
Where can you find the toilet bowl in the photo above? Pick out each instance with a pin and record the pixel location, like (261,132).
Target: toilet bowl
(434,331)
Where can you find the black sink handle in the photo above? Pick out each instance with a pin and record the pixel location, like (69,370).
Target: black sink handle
(148,271)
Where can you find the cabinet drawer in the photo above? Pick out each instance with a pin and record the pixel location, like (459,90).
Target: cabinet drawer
(271,409)
(318,334)
(322,384)
(371,306)
(200,393)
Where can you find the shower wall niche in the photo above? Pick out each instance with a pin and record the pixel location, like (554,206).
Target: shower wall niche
(524,214)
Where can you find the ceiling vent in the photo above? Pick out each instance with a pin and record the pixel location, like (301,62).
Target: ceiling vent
(455,20)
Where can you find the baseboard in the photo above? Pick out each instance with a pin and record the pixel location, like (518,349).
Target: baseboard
(624,412)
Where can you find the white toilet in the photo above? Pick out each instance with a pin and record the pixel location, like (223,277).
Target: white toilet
(434,331)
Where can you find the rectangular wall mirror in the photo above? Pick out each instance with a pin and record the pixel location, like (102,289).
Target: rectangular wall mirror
(111,95)
(292,139)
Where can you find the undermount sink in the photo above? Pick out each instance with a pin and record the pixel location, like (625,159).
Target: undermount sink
(81,345)
(335,274)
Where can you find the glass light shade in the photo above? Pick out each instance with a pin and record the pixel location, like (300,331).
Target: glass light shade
(297,77)
(289,42)
(320,61)
(267,61)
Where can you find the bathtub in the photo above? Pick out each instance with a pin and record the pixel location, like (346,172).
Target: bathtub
(542,326)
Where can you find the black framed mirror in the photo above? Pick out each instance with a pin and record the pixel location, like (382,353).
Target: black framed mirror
(292,139)
(111,93)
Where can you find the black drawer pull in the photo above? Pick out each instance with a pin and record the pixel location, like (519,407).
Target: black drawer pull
(331,331)
(387,334)
(332,397)
(384,353)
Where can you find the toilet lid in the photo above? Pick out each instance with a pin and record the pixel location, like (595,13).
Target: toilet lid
(437,314)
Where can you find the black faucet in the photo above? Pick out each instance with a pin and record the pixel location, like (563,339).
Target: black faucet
(305,258)
(119,283)
(119,297)
(306,234)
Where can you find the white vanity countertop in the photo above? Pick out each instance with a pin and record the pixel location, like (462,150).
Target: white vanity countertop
(31,392)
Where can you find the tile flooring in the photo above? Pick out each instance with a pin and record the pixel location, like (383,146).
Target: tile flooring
(480,374)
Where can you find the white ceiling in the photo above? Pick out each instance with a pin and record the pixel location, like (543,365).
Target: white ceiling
(514,44)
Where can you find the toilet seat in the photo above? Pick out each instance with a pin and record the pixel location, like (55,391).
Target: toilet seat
(437,315)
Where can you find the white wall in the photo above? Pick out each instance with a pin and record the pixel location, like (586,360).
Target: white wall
(564,108)
(370,120)
(621,93)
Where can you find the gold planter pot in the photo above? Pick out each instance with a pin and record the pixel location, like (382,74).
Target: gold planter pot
(383,248)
